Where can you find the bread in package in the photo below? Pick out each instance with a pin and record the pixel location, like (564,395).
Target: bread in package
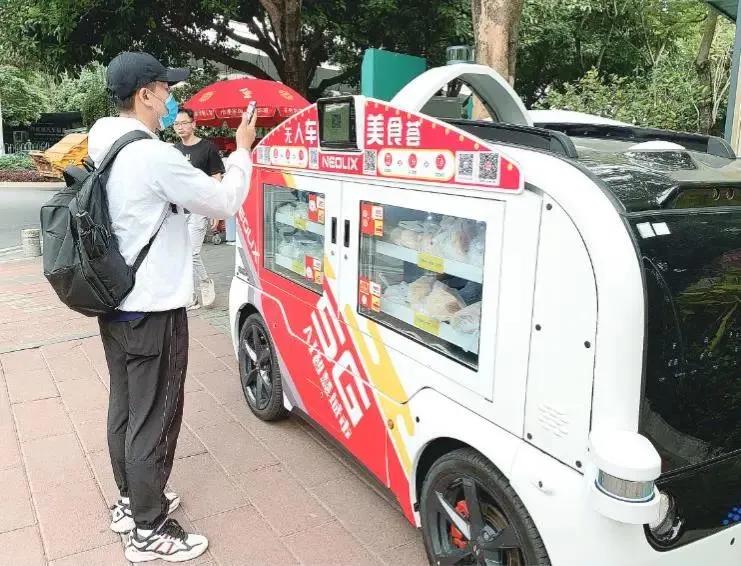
(467,319)
(420,288)
(442,302)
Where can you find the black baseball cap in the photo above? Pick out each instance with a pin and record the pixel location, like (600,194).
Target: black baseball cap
(130,70)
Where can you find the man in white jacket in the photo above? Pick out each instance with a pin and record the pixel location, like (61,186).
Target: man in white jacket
(146,339)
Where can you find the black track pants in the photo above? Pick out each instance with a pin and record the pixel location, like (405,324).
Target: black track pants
(147,361)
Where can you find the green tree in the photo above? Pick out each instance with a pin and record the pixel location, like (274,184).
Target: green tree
(675,77)
(85,93)
(297,35)
(199,78)
(560,40)
(23,95)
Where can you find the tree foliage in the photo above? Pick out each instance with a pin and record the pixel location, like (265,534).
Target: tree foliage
(560,40)
(85,93)
(296,35)
(639,61)
(23,95)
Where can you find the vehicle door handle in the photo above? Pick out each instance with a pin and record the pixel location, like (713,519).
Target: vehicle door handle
(347,234)
(334,230)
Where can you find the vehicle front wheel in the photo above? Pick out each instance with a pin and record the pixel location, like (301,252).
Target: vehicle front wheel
(259,372)
(471,515)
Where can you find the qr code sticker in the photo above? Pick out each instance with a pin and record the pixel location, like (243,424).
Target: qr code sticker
(313,158)
(263,155)
(489,167)
(465,166)
(370,162)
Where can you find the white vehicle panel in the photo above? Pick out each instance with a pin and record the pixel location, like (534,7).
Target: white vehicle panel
(561,369)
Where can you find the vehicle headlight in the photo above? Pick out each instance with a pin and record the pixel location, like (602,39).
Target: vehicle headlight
(668,525)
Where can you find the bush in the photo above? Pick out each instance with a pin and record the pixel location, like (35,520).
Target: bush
(16,162)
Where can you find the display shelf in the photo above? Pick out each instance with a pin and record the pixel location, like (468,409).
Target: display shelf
(431,262)
(443,330)
(300,222)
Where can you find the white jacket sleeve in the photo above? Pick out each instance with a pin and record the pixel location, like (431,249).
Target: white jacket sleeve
(177,181)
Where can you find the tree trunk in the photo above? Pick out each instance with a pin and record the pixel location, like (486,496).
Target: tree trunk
(708,34)
(2,141)
(702,64)
(496,25)
(285,17)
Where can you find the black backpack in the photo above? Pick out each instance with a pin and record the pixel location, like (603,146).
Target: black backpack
(81,256)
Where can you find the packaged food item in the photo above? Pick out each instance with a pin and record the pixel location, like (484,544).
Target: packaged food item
(420,288)
(390,271)
(468,319)
(476,248)
(430,226)
(449,239)
(415,225)
(287,249)
(407,234)
(446,221)
(461,235)
(442,302)
(395,236)
(396,293)
(427,244)
(307,244)
(288,208)
(302,209)
(409,239)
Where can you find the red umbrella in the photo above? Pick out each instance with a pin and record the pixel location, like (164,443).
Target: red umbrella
(224,101)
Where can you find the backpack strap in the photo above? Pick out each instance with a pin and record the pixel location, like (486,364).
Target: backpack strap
(121,143)
(145,250)
(117,146)
(83,196)
(74,174)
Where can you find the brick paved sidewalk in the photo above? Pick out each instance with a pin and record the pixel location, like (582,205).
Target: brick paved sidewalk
(264,494)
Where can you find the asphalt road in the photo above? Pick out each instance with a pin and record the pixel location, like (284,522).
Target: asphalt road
(19,208)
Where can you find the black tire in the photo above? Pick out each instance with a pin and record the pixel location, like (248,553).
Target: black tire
(502,532)
(259,373)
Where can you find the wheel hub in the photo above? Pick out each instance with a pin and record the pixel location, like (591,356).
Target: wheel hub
(474,530)
(257,383)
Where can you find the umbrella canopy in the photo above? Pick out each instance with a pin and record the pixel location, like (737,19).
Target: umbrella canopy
(223,102)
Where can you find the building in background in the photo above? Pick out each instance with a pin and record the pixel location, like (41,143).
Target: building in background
(263,62)
(45,132)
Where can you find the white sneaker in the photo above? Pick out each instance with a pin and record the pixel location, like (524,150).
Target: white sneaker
(208,293)
(122,520)
(168,542)
(193,306)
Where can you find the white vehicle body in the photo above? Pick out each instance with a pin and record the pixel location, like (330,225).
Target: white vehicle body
(550,387)
(555,116)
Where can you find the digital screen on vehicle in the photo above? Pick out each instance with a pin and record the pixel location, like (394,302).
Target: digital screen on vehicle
(337,124)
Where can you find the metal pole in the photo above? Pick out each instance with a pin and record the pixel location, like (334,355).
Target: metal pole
(2,141)
(733,91)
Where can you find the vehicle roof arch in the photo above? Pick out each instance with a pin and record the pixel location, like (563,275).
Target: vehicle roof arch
(492,89)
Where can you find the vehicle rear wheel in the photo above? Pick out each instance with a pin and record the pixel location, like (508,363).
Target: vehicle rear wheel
(471,515)
(259,371)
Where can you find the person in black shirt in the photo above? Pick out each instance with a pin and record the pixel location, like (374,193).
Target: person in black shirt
(203,155)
